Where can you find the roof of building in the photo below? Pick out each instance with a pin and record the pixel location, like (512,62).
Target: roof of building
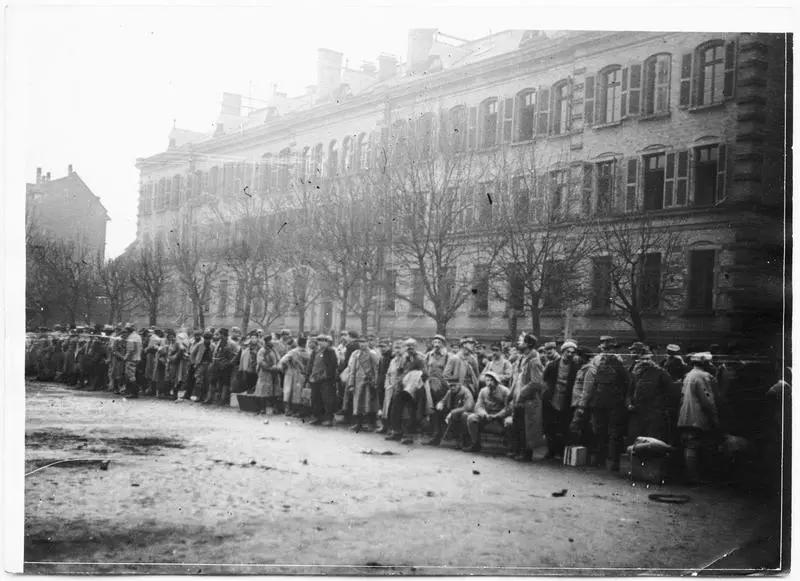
(59,186)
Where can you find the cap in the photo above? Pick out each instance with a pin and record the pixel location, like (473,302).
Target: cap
(466,340)
(236,330)
(207,335)
(410,342)
(441,338)
(606,339)
(493,375)
(568,344)
(323,337)
(637,346)
(223,331)
(529,340)
(672,348)
(285,332)
(701,356)
(550,345)
(129,326)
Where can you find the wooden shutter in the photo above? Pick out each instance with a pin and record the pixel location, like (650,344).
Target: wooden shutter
(730,69)
(722,166)
(472,128)
(508,120)
(686,99)
(542,110)
(669,181)
(587,190)
(540,187)
(623,106)
(631,182)
(576,106)
(634,89)
(588,100)
(682,178)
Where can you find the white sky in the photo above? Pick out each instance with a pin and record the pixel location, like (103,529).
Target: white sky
(101,86)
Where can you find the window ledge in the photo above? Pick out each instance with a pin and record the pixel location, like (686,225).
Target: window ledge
(556,136)
(710,106)
(655,116)
(607,125)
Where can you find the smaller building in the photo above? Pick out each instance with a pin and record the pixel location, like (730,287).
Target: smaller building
(66,209)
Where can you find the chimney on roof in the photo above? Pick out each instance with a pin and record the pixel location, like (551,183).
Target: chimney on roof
(387,67)
(420,43)
(38,175)
(69,170)
(329,72)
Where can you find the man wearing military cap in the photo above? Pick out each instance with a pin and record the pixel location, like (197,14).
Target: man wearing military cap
(436,361)
(321,378)
(699,416)
(463,366)
(674,363)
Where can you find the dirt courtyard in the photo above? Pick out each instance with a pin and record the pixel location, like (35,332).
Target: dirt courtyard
(199,489)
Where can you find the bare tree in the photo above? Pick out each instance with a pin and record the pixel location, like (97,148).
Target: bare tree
(643,261)
(196,262)
(114,281)
(431,195)
(149,276)
(543,236)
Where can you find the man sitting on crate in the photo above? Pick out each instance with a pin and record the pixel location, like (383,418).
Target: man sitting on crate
(449,413)
(490,408)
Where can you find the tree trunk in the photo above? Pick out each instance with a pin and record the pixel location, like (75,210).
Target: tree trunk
(246,315)
(343,312)
(153,314)
(301,320)
(638,325)
(441,327)
(536,322)
(512,325)
(364,320)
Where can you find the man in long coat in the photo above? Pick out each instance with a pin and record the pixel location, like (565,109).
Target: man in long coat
(525,398)
(294,365)
(362,373)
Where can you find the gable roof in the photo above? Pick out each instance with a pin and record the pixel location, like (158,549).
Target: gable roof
(68,183)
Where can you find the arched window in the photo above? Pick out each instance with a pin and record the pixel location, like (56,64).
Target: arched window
(347,151)
(424,134)
(657,70)
(363,151)
(488,122)
(457,127)
(609,95)
(333,158)
(526,114)
(399,138)
(316,160)
(561,108)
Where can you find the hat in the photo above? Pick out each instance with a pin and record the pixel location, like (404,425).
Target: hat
(606,339)
(441,338)
(223,331)
(701,356)
(637,346)
(323,337)
(568,344)
(466,340)
(494,375)
(252,333)
(207,335)
(285,332)
(108,328)
(236,330)
(550,345)
(529,340)
(129,327)
(672,348)
(353,334)
(410,342)
(495,347)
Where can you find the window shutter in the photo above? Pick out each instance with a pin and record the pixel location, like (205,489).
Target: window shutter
(587,190)
(730,69)
(634,89)
(682,181)
(472,128)
(669,181)
(588,101)
(576,106)
(631,182)
(686,81)
(623,107)
(568,123)
(537,209)
(508,120)
(542,111)
(722,166)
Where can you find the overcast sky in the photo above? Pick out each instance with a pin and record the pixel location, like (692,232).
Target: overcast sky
(102,85)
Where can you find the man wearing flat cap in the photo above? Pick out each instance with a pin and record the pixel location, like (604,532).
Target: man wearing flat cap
(463,366)
(498,364)
(674,363)
(322,375)
(604,400)
(525,400)
(436,361)
(559,377)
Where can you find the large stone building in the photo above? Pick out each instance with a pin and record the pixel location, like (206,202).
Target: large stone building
(683,131)
(67,210)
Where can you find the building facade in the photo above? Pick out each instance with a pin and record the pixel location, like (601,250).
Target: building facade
(681,131)
(67,210)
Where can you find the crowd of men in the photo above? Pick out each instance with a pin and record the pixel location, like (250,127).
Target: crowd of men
(562,394)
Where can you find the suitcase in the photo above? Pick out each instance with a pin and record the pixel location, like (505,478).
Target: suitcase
(251,403)
(650,470)
(575,455)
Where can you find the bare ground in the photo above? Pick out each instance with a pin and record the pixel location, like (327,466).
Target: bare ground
(199,489)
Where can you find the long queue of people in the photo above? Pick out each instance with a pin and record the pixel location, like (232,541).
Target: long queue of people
(528,393)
